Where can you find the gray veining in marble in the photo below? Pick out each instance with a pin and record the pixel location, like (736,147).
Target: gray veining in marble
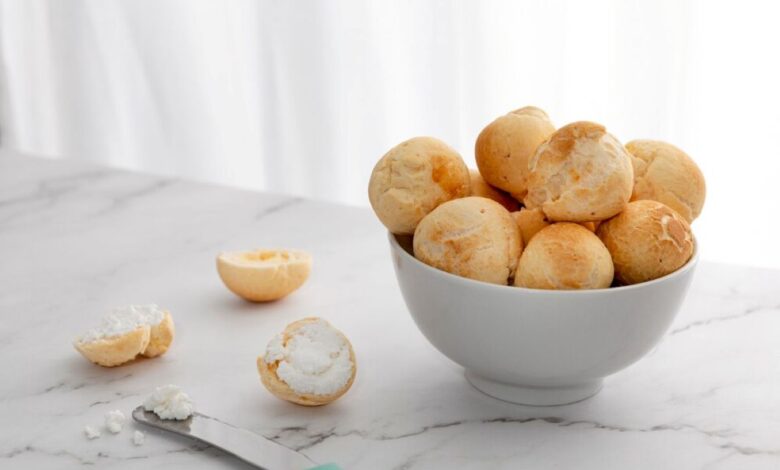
(77,240)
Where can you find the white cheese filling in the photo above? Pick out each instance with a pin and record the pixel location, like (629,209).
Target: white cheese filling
(123,320)
(315,360)
(114,421)
(169,402)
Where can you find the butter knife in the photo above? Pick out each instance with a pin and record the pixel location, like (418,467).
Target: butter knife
(252,448)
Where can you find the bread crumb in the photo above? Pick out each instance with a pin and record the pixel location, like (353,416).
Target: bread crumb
(91,432)
(169,402)
(114,421)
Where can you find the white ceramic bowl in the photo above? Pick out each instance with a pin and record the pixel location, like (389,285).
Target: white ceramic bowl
(537,347)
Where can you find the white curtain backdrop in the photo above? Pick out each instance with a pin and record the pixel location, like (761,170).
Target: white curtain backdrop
(304,96)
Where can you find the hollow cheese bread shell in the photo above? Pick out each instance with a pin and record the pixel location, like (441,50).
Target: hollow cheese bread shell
(281,390)
(149,341)
(116,350)
(160,337)
(264,275)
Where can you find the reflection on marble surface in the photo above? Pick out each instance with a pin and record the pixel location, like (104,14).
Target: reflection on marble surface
(77,240)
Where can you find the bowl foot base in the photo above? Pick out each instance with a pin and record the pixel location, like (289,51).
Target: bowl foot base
(535,395)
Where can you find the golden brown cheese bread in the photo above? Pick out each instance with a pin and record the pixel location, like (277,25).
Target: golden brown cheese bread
(117,350)
(310,363)
(532,111)
(480,188)
(664,173)
(530,221)
(648,240)
(565,256)
(504,147)
(473,237)
(581,174)
(109,348)
(160,337)
(412,179)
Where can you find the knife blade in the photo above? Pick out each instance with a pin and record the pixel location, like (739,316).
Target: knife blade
(252,448)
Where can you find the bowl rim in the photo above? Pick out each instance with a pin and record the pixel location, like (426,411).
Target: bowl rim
(689,265)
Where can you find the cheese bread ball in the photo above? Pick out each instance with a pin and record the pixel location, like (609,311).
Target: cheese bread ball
(592,226)
(647,240)
(532,111)
(480,188)
(412,179)
(666,174)
(582,173)
(310,363)
(504,147)
(473,237)
(530,221)
(565,256)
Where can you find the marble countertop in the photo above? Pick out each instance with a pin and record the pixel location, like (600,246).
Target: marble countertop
(77,240)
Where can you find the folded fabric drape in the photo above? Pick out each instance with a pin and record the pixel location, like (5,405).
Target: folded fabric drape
(303,97)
